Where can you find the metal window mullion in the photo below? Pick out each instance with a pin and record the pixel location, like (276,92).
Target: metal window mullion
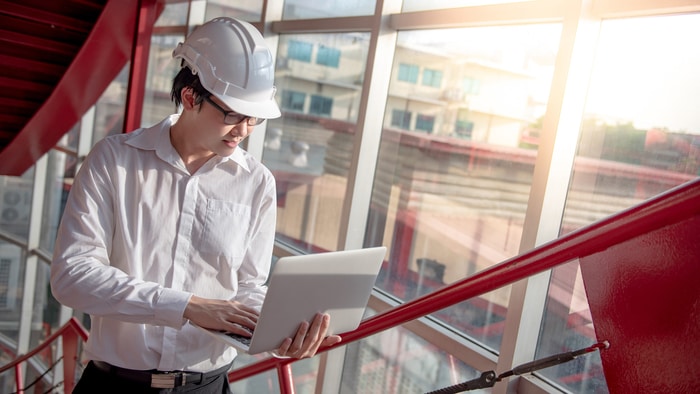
(325,25)
(85,142)
(31,260)
(375,90)
(85,136)
(364,156)
(636,8)
(553,170)
(536,11)
(272,12)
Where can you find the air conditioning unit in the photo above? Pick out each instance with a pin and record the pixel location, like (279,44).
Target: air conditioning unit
(9,276)
(15,203)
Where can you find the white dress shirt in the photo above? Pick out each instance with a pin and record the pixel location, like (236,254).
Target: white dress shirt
(140,235)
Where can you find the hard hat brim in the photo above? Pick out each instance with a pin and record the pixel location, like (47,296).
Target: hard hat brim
(258,109)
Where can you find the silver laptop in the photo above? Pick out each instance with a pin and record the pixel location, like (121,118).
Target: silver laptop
(337,283)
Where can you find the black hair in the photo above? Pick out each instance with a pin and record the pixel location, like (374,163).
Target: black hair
(186,79)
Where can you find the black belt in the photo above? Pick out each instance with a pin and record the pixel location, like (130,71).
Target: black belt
(159,379)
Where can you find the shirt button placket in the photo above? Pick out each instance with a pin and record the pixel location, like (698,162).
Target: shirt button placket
(180,263)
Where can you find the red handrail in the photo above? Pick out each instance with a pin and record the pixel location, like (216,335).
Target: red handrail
(70,333)
(667,208)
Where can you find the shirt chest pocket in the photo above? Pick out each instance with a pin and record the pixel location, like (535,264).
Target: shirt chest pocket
(226,228)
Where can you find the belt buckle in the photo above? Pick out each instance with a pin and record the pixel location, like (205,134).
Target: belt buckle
(166,380)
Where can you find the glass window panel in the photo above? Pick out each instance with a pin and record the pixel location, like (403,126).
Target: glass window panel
(397,362)
(110,107)
(174,14)
(12,264)
(640,137)
(70,139)
(304,9)
(304,374)
(641,132)
(162,68)
(61,169)
(45,312)
(449,204)
(422,5)
(567,326)
(265,382)
(308,148)
(248,10)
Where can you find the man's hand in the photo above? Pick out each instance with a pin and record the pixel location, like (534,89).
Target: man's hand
(308,339)
(229,316)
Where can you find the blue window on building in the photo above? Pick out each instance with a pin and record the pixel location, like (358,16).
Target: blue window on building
(471,85)
(464,128)
(321,105)
(299,50)
(293,101)
(408,73)
(432,78)
(425,123)
(401,119)
(328,56)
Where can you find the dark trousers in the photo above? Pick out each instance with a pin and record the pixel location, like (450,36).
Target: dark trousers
(95,380)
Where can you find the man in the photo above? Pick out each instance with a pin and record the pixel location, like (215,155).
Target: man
(173,225)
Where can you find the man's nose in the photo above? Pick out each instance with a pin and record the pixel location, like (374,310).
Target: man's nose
(241,129)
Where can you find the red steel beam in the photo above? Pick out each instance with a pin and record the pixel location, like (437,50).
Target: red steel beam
(101,58)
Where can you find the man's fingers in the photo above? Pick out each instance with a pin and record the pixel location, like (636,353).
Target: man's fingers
(308,338)
(313,337)
(320,324)
(223,315)
(317,333)
(295,349)
(331,340)
(244,308)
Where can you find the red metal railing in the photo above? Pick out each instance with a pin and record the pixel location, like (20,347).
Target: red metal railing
(70,333)
(667,208)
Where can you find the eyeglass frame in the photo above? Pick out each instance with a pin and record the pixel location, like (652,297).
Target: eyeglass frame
(250,120)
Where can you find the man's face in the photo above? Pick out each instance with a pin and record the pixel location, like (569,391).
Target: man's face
(215,135)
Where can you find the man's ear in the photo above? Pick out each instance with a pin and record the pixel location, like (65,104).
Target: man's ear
(187,97)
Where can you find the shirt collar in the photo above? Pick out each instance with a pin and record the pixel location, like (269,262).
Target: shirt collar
(157,138)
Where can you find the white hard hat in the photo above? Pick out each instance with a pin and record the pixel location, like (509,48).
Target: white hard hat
(234,64)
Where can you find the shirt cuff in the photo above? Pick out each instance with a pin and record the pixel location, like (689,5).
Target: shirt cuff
(170,307)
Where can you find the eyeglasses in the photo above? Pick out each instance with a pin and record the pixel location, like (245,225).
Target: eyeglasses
(232,117)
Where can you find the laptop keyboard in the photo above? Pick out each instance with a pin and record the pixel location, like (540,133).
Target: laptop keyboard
(239,338)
